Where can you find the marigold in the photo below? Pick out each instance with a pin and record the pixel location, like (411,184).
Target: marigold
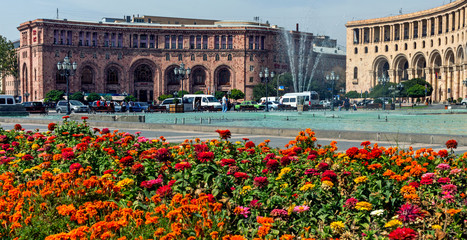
(307,187)
(361,179)
(363,206)
(337,226)
(393,223)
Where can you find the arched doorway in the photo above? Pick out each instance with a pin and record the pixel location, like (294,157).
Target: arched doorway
(171,81)
(401,66)
(112,76)
(450,64)
(380,69)
(223,78)
(87,75)
(143,77)
(458,86)
(419,66)
(435,64)
(198,78)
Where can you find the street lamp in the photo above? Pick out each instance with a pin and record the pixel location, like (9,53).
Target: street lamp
(266,75)
(332,78)
(181,73)
(67,69)
(26,95)
(400,86)
(383,80)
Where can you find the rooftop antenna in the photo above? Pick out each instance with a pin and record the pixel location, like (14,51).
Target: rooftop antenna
(57,13)
(400,11)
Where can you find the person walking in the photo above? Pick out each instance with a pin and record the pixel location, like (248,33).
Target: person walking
(224,103)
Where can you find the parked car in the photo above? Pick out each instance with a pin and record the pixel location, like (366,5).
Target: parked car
(75,106)
(117,107)
(249,104)
(34,107)
(272,105)
(138,107)
(167,102)
(464,102)
(364,102)
(325,103)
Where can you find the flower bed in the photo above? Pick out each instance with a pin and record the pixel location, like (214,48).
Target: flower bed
(74,182)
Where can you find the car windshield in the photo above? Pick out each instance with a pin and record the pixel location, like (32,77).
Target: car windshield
(74,102)
(212,99)
(143,104)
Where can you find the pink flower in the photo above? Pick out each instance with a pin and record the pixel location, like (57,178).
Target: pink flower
(242,211)
(409,213)
(451,188)
(261,182)
(443,166)
(302,208)
(75,166)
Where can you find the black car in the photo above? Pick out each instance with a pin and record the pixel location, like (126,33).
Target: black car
(35,107)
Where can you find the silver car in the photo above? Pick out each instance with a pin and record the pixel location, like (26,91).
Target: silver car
(75,107)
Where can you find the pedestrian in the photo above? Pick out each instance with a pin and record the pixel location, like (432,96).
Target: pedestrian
(355,107)
(346,104)
(224,103)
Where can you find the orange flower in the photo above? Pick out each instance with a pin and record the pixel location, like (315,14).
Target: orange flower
(453,211)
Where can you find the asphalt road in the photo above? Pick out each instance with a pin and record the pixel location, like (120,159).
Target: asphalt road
(275,141)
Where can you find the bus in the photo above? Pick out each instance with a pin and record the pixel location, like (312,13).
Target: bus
(307,98)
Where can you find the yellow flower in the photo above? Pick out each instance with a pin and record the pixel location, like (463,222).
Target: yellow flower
(337,226)
(326,185)
(434,227)
(245,189)
(35,146)
(125,182)
(307,187)
(363,206)
(36,168)
(56,170)
(360,179)
(393,223)
(290,209)
(238,142)
(20,155)
(26,171)
(283,172)
(106,176)
(285,185)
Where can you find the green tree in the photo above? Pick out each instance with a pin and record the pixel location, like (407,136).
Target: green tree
(54,96)
(130,98)
(219,94)
(413,82)
(77,96)
(199,92)
(8,58)
(108,97)
(93,97)
(236,94)
(353,94)
(182,93)
(164,96)
(416,91)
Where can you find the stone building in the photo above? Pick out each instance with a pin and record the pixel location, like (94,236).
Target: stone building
(429,44)
(138,56)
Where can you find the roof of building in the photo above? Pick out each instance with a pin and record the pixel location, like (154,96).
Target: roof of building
(331,51)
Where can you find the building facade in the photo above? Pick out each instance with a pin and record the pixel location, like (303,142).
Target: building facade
(430,44)
(139,57)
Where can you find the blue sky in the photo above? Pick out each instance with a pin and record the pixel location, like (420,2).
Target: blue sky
(321,17)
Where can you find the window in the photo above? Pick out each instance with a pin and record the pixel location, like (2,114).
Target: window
(262,42)
(229,57)
(112,76)
(252,68)
(192,42)
(376,49)
(80,42)
(180,57)
(205,57)
(107,56)
(257,42)
(94,39)
(251,79)
(216,42)
(355,73)
(223,42)
(396,47)
(414,45)
(198,42)
(192,57)
(205,42)
(167,57)
(180,41)
(87,75)
(356,50)
(366,49)
(250,42)
(405,46)
(386,48)
(55,36)
(152,41)
(167,42)
(230,42)
(106,40)
(217,57)
(88,39)
(143,39)
(69,40)
(173,42)
(120,40)
(251,58)
(423,44)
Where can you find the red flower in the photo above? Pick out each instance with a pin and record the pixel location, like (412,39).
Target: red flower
(351,152)
(241,175)
(451,144)
(84,118)
(272,164)
(68,154)
(108,171)
(18,127)
(444,180)
(205,156)
(365,143)
(164,191)
(443,153)
(75,167)
(250,144)
(27,157)
(245,139)
(66,117)
(137,169)
(403,234)
(329,175)
(163,155)
(224,134)
(126,161)
(182,166)
(201,148)
(51,126)
(323,166)
(261,182)
(409,213)
(225,162)
(375,153)
(285,160)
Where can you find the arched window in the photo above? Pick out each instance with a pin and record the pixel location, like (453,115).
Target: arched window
(205,57)
(112,76)
(439,41)
(356,50)
(396,47)
(167,57)
(217,57)
(229,57)
(405,46)
(423,44)
(180,57)
(386,48)
(87,75)
(414,45)
(355,73)
(366,49)
(224,77)
(192,57)
(431,43)
(376,49)
(199,76)
(59,78)
(171,79)
(143,73)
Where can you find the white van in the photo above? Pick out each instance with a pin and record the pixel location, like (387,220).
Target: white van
(270,99)
(291,99)
(7,100)
(204,101)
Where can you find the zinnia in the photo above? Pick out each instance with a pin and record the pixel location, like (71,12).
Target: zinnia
(224,134)
(300,209)
(403,234)
(205,156)
(261,182)
(451,144)
(408,213)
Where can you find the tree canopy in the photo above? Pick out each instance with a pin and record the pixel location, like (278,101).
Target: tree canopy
(8,58)
(54,96)
(77,96)
(236,94)
(93,97)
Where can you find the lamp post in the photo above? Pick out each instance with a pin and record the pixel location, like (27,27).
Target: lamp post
(383,80)
(181,73)
(67,69)
(26,95)
(400,86)
(393,90)
(332,78)
(266,75)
